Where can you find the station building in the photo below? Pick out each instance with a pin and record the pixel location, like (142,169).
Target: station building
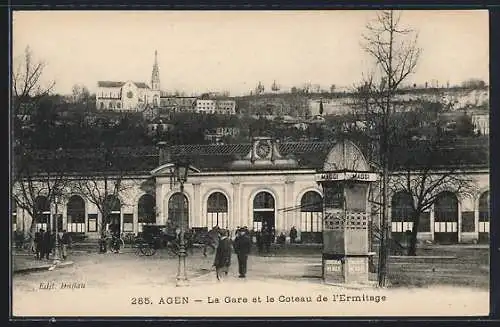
(234,185)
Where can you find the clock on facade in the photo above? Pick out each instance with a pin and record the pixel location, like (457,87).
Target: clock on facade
(130,94)
(263,149)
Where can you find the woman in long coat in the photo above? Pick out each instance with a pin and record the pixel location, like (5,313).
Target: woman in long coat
(222,260)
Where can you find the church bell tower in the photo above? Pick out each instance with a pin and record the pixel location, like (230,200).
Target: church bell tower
(155,75)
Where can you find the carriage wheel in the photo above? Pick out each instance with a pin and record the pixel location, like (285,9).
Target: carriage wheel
(173,249)
(147,250)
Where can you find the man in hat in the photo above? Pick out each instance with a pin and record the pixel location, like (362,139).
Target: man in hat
(223,255)
(242,245)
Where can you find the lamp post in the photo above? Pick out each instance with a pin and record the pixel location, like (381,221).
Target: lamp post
(181,170)
(57,258)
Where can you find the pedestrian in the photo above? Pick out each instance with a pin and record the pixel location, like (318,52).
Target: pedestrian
(266,238)
(222,260)
(258,237)
(39,244)
(242,246)
(47,244)
(293,234)
(116,239)
(281,239)
(65,243)
(108,237)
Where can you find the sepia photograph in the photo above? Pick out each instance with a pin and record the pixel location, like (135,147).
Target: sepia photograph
(295,163)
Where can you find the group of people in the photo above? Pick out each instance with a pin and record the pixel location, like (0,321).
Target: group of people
(112,239)
(265,237)
(241,244)
(45,243)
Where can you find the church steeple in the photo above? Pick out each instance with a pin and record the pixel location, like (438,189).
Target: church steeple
(155,75)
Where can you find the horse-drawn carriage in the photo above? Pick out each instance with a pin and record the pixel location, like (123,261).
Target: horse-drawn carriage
(156,237)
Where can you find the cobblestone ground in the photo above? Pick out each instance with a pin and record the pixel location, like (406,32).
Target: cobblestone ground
(130,285)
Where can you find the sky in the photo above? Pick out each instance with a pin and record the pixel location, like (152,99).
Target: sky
(200,51)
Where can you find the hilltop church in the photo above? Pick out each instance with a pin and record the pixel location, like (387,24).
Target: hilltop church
(129,95)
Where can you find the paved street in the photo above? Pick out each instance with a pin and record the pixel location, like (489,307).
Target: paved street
(119,284)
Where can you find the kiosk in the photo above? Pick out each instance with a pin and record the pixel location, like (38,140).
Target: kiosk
(346,180)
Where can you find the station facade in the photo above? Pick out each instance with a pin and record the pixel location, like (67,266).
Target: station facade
(231,186)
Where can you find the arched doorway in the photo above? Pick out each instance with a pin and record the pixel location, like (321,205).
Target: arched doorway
(311,217)
(484,217)
(446,218)
(217,211)
(263,210)
(146,211)
(401,208)
(42,214)
(75,215)
(178,210)
(114,206)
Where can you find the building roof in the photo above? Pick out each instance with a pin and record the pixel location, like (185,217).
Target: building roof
(125,160)
(140,85)
(219,157)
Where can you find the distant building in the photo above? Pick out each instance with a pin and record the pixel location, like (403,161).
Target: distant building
(170,104)
(481,123)
(216,106)
(129,95)
(206,106)
(216,135)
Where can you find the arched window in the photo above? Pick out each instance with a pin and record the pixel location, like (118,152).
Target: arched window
(401,209)
(111,105)
(118,105)
(311,212)
(13,211)
(178,206)
(42,213)
(102,105)
(263,210)
(263,200)
(113,205)
(217,210)
(446,217)
(484,212)
(75,214)
(146,210)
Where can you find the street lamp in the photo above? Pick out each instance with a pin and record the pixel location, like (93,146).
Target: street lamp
(181,171)
(57,258)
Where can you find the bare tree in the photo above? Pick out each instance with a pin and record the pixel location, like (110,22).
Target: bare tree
(27,85)
(395,52)
(103,190)
(82,96)
(37,174)
(423,177)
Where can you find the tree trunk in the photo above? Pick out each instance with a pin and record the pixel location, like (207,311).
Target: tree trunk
(412,249)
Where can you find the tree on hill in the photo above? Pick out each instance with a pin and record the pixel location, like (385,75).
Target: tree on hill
(27,83)
(474,83)
(82,98)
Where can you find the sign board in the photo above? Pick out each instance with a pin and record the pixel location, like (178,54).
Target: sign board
(346,176)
